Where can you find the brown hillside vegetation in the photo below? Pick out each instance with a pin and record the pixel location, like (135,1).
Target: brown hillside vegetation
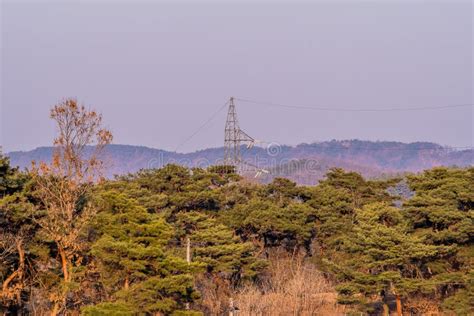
(304,164)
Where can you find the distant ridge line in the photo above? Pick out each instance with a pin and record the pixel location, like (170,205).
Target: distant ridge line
(336,109)
(326,143)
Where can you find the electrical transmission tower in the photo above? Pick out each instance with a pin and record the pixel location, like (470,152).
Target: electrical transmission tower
(234,136)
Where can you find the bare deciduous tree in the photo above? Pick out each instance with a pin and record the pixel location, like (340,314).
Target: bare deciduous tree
(62,186)
(14,283)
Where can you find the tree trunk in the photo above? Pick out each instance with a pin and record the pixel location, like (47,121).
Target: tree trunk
(67,278)
(231,307)
(188,250)
(55,309)
(7,282)
(385,310)
(399,305)
(21,270)
(127,283)
(17,273)
(64,263)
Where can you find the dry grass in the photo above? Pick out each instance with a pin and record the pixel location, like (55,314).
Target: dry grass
(293,287)
(422,306)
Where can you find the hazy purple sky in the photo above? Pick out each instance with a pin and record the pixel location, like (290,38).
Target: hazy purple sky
(158,70)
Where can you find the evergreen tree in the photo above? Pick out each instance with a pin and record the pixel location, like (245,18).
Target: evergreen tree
(16,235)
(382,257)
(335,200)
(442,211)
(262,220)
(138,272)
(218,248)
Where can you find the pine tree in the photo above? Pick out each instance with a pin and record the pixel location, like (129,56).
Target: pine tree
(218,248)
(442,211)
(262,221)
(382,257)
(16,232)
(335,200)
(137,269)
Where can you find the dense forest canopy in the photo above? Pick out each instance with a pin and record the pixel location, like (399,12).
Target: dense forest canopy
(130,258)
(206,241)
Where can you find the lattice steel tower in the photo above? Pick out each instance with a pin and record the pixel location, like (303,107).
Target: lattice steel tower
(234,136)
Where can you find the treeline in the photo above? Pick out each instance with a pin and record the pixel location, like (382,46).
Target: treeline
(72,243)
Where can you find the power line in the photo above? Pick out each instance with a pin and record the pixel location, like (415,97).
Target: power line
(200,128)
(335,109)
(441,148)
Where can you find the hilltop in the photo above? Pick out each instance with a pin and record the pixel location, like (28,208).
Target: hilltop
(303,163)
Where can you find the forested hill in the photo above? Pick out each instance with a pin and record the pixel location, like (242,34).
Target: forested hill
(304,163)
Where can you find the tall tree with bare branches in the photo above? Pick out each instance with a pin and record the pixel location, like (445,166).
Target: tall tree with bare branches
(63,185)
